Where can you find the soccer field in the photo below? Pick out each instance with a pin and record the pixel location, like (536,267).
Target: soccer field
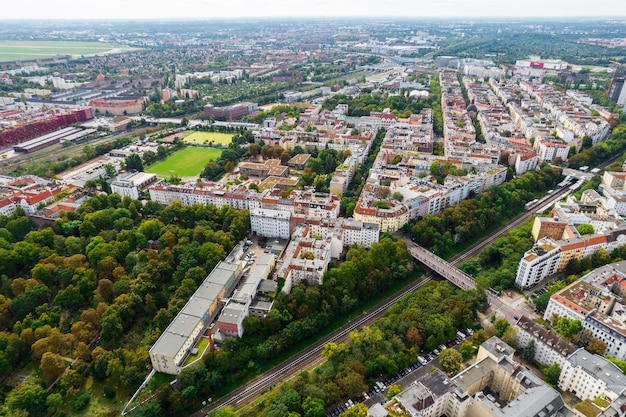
(186,163)
(208,138)
(25,50)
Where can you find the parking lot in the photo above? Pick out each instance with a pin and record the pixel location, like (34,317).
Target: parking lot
(404,377)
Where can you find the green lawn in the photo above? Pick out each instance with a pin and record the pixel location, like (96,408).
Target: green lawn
(186,163)
(24,50)
(201,346)
(208,138)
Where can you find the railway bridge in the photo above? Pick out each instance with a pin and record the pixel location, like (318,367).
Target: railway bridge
(441,267)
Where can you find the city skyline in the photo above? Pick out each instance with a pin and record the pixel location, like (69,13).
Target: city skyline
(197,9)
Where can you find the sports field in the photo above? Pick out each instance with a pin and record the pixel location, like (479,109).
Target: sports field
(25,50)
(209,138)
(186,163)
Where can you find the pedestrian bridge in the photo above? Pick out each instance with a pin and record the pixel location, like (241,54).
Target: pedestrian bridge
(441,267)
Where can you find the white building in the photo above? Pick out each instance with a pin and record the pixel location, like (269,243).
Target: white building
(549,348)
(270,223)
(132,183)
(590,376)
(538,263)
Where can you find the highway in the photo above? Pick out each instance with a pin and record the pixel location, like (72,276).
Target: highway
(312,355)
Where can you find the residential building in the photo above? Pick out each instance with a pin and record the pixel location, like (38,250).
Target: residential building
(549,348)
(592,377)
(597,300)
(539,262)
(494,386)
(270,223)
(132,183)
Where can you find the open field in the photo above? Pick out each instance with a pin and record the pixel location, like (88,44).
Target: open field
(186,163)
(208,138)
(25,50)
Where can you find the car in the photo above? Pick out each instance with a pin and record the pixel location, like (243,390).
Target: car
(442,347)
(436,352)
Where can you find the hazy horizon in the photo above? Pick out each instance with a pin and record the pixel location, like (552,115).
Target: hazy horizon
(398,9)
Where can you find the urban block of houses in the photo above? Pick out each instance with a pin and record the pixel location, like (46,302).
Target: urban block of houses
(494,386)
(558,241)
(306,259)
(28,192)
(597,300)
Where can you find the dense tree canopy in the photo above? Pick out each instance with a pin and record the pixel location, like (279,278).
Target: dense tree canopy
(91,289)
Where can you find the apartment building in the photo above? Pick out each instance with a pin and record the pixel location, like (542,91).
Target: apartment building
(549,348)
(589,376)
(597,300)
(539,262)
(494,386)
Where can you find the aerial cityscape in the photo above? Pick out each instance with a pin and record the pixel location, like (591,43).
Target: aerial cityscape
(251,209)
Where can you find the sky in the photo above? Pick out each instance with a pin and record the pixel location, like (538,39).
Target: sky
(177,9)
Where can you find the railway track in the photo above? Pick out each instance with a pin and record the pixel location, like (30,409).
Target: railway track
(312,355)
(57,151)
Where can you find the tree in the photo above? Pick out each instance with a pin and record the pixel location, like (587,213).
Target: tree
(510,336)
(500,327)
(466,349)
(568,327)
(585,229)
(450,361)
(552,374)
(253,150)
(413,337)
(358,410)
(133,162)
(479,337)
(52,366)
(31,398)
(383,192)
(393,390)
(398,196)
(597,346)
(111,325)
(313,407)
(54,401)
(229,167)
(528,351)
(109,170)
(600,257)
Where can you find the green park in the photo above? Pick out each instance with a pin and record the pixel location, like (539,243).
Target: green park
(186,163)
